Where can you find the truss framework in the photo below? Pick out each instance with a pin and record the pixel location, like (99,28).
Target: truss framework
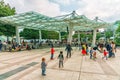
(34,20)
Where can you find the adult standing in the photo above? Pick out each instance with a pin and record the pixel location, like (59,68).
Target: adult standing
(4,45)
(68,49)
(113,48)
(96,48)
(101,47)
(109,49)
(9,46)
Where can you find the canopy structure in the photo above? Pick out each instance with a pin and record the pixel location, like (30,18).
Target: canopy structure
(72,22)
(34,20)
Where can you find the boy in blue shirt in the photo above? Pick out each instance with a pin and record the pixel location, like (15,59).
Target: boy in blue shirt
(43,67)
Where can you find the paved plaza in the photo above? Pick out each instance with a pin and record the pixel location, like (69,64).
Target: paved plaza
(25,65)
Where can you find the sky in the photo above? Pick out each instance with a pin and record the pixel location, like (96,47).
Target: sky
(106,10)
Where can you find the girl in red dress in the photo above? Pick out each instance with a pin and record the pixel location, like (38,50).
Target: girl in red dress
(52,52)
(83,51)
(105,54)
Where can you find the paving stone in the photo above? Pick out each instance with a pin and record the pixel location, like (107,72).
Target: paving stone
(24,65)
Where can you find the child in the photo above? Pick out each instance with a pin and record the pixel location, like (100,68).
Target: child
(52,52)
(83,51)
(105,54)
(43,67)
(91,52)
(87,50)
(94,55)
(61,58)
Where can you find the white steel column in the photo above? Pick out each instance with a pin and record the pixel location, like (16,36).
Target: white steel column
(94,37)
(94,33)
(70,34)
(60,36)
(17,35)
(40,35)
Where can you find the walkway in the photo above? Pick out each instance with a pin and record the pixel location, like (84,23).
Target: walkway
(25,65)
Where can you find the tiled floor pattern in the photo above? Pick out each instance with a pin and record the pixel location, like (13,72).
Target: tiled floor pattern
(25,65)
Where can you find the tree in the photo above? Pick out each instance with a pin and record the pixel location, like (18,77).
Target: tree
(30,34)
(84,36)
(6,10)
(108,34)
(50,34)
(117,38)
(64,35)
(7,30)
(118,29)
(34,34)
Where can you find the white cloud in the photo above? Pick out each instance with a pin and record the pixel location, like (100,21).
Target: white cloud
(42,6)
(103,9)
(108,10)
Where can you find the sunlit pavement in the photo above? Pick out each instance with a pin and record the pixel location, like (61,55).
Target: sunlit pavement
(25,65)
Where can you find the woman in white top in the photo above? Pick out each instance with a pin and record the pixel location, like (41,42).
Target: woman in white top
(113,48)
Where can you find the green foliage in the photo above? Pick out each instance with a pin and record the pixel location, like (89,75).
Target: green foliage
(117,22)
(34,34)
(90,36)
(83,36)
(7,30)
(2,29)
(98,35)
(117,38)
(75,36)
(1,33)
(6,10)
(118,29)
(49,34)
(64,35)
(117,41)
(30,34)
(109,34)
